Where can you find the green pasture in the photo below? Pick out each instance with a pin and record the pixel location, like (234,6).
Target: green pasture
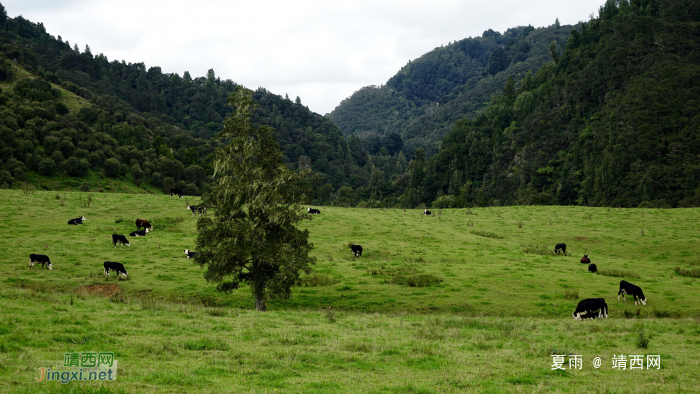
(464,301)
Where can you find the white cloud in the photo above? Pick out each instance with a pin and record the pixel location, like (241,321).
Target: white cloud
(319,50)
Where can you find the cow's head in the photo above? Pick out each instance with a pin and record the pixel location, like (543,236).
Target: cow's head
(187,251)
(585,256)
(577,316)
(50,266)
(146,231)
(82,218)
(128,243)
(308,210)
(644,301)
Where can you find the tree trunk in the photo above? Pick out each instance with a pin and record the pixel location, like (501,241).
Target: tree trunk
(260,301)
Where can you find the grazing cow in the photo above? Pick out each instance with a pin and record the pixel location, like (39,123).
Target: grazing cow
(592,268)
(591,308)
(140,233)
(560,248)
(314,211)
(40,258)
(176,191)
(426,212)
(143,223)
(189,254)
(356,250)
(77,221)
(585,259)
(114,266)
(200,209)
(630,289)
(119,239)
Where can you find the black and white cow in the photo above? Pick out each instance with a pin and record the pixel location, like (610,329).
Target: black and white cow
(139,233)
(176,191)
(200,209)
(426,212)
(560,248)
(356,250)
(120,239)
(189,254)
(313,211)
(77,221)
(591,308)
(40,258)
(592,268)
(585,259)
(630,289)
(114,266)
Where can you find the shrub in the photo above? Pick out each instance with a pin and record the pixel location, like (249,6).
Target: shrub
(317,280)
(47,167)
(642,340)
(77,167)
(85,187)
(61,109)
(112,167)
(168,183)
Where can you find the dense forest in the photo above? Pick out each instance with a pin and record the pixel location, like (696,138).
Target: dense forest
(70,115)
(424,99)
(611,121)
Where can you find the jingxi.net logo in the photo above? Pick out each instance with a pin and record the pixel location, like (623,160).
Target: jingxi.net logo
(84,366)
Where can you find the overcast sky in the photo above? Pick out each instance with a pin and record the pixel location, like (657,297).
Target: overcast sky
(321,51)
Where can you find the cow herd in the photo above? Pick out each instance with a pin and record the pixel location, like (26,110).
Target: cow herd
(592,308)
(589,308)
(143,227)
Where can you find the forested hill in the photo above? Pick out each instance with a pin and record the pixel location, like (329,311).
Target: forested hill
(612,121)
(118,119)
(422,101)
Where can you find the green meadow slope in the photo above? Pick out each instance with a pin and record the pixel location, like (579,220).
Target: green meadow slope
(465,301)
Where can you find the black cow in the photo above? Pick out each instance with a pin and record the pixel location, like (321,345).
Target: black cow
(176,191)
(356,250)
(630,289)
(76,221)
(313,211)
(591,308)
(119,239)
(585,259)
(560,248)
(426,212)
(40,258)
(143,223)
(189,254)
(592,268)
(114,266)
(140,233)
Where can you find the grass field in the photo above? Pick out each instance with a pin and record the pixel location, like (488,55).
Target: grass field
(465,301)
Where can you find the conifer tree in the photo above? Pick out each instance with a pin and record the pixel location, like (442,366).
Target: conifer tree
(254,238)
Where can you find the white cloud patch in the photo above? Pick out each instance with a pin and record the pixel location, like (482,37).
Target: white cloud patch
(319,50)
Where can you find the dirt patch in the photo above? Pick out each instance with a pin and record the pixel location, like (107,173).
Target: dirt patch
(104,290)
(584,239)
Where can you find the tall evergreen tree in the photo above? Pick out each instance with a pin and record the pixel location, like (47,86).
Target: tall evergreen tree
(254,238)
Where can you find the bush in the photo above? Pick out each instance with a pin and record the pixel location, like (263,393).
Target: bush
(112,167)
(168,183)
(444,202)
(191,190)
(77,167)
(692,273)
(61,109)
(47,167)
(85,187)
